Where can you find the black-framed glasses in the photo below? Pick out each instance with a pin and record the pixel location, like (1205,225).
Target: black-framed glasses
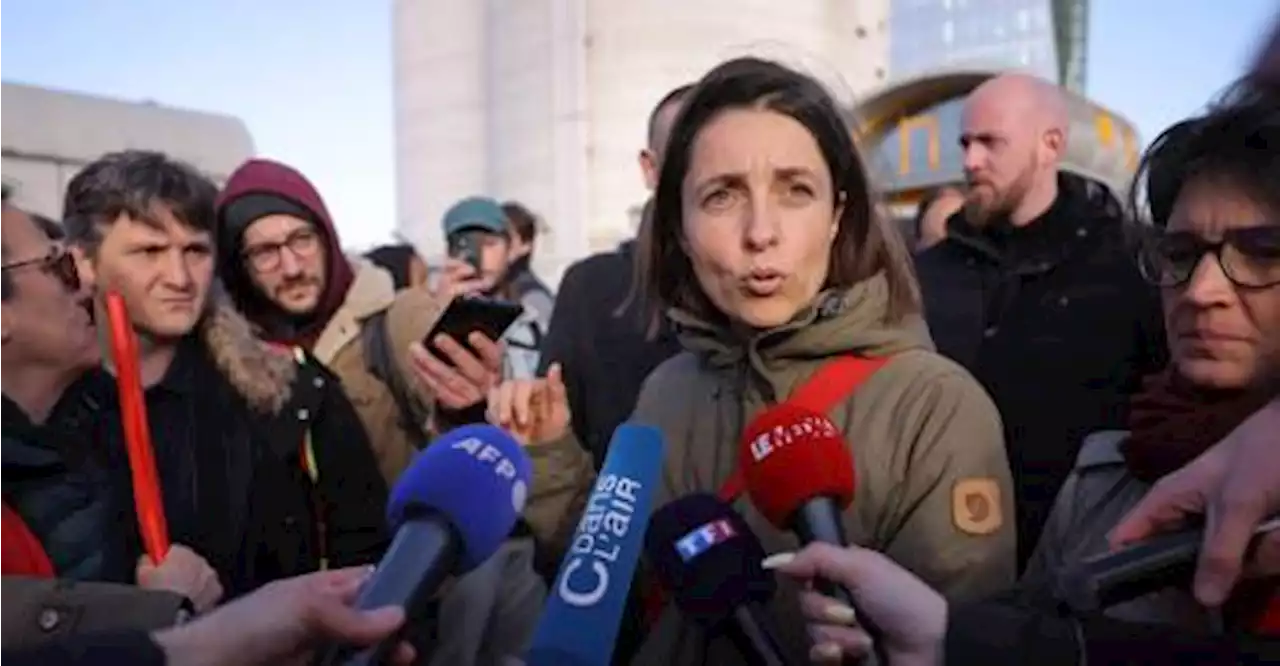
(264,257)
(57,262)
(1249,256)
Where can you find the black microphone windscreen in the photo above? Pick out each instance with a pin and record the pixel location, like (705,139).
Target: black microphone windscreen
(708,557)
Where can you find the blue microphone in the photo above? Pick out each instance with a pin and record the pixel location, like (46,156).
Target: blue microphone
(451,510)
(580,622)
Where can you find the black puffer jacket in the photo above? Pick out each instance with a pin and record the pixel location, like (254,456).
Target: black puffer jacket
(56,483)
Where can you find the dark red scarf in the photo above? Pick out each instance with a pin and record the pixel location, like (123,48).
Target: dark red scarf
(1171,423)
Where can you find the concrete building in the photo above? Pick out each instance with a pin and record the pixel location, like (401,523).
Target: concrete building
(49,135)
(913,128)
(545,101)
(1048,38)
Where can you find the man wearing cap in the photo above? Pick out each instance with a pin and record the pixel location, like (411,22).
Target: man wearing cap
(475,229)
(282,262)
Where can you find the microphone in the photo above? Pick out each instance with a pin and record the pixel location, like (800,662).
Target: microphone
(799,474)
(579,624)
(705,553)
(451,510)
(1168,560)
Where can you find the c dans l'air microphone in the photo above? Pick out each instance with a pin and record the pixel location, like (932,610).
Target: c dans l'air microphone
(580,621)
(451,510)
(799,474)
(705,553)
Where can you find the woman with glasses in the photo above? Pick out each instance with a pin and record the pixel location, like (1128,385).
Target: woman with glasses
(1212,192)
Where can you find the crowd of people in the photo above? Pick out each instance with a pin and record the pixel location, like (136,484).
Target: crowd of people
(1051,373)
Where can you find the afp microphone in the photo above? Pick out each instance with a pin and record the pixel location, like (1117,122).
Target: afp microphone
(705,553)
(799,474)
(580,622)
(451,510)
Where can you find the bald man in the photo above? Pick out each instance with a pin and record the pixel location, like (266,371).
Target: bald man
(1033,291)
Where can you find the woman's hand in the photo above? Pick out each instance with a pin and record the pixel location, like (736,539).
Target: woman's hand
(536,411)
(911,615)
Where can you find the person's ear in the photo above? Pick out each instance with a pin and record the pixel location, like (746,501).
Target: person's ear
(838,215)
(649,169)
(85,267)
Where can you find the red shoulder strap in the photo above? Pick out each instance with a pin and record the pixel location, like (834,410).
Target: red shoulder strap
(836,380)
(22,554)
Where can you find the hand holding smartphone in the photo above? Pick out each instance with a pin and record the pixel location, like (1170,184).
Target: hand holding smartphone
(465,316)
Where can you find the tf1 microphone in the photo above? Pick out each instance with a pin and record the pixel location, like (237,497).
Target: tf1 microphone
(1161,562)
(451,510)
(579,624)
(799,474)
(705,553)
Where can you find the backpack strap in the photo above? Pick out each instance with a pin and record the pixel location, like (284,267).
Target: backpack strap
(835,381)
(23,553)
(380,362)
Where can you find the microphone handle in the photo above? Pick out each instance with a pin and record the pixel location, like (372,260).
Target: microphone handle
(421,557)
(1167,560)
(753,638)
(818,520)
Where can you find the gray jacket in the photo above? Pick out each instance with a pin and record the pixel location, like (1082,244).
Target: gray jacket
(488,617)
(1096,496)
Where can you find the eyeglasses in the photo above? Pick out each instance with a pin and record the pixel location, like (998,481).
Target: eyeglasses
(303,243)
(1249,257)
(57,262)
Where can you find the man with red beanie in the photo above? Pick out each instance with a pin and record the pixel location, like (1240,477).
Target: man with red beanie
(282,262)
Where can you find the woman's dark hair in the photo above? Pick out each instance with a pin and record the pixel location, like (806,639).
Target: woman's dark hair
(396,259)
(863,247)
(1236,143)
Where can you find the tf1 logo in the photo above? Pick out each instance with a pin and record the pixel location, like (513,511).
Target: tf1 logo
(702,539)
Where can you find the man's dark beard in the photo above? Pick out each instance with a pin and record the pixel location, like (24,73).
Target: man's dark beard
(980,213)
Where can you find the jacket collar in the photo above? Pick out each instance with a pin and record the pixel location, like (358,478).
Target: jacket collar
(372,291)
(1077,213)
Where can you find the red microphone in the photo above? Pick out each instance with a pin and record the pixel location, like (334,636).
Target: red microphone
(799,472)
(799,475)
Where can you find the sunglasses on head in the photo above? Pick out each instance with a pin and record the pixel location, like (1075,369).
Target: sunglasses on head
(58,262)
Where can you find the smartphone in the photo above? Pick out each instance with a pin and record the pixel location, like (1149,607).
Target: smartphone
(465,246)
(465,316)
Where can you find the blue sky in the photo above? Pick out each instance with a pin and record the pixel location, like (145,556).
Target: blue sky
(312,78)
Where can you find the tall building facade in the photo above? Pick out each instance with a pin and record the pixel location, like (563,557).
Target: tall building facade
(1046,37)
(546,101)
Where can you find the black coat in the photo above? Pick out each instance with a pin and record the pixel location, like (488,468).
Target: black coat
(1008,632)
(1056,322)
(228,423)
(336,521)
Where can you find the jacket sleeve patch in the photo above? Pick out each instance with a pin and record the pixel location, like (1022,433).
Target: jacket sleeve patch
(975,506)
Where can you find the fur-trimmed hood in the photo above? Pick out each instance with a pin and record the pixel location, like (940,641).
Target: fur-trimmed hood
(261,372)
